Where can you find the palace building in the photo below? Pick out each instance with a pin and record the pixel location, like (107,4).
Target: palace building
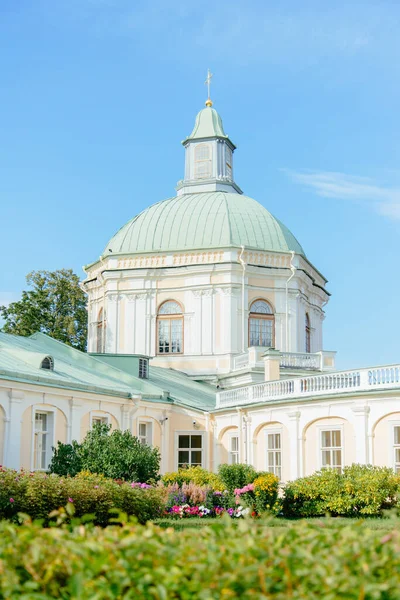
(205,338)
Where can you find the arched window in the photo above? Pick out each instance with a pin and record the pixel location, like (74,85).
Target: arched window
(170,328)
(100,331)
(202,161)
(261,324)
(308,333)
(47,363)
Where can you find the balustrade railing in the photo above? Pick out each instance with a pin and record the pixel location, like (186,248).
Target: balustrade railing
(300,360)
(313,385)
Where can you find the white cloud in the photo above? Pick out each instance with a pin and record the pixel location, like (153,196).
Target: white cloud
(385,200)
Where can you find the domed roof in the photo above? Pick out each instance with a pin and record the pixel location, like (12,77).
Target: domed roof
(208,124)
(203,221)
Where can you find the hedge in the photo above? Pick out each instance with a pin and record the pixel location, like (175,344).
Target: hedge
(247,561)
(38,494)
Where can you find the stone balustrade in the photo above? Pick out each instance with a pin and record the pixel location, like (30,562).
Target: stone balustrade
(338,382)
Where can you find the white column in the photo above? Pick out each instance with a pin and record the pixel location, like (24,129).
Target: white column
(294,445)
(74,427)
(111,329)
(125,417)
(361,433)
(13,443)
(165,431)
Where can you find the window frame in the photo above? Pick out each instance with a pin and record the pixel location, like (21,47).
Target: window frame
(324,428)
(149,433)
(170,317)
(143,373)
(392,445)
(261,316)
(49,411)
(204,455)
(232,453)
(207,161)
(99,415)
(274,431)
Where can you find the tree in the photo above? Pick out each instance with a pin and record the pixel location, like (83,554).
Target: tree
(55,305)
(118,455)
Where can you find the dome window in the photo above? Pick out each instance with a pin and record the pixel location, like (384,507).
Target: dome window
(202,161)
(170,328)
(100,331)
(47,363)
(261,324)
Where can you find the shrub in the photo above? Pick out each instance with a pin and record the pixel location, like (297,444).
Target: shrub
(359,490)
(38,494)
(118,455)
(236,476)
(266,492)
(66,459)
(249,560)
(197,475)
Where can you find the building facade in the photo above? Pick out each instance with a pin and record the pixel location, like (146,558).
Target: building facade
(205,340)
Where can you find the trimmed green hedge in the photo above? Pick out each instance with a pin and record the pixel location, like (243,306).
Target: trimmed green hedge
(38,494)
(360,490)
(247,561)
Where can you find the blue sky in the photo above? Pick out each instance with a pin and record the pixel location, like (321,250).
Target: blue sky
(96,96)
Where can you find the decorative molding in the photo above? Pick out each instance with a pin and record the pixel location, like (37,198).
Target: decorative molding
(140,262)
(294,415)
(191,258)
(228,291)
(262,258)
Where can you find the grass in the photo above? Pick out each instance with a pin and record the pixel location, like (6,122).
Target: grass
(280,524)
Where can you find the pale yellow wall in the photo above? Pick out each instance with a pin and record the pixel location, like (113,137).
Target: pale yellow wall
(185,364)
(261,282)
(60,433)
(223,443)
(261,295)
(168,283)
(383,440)
(2,430)
(260,447)
(311,443)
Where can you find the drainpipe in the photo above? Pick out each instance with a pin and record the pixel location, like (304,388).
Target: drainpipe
(243,311)
(293,270)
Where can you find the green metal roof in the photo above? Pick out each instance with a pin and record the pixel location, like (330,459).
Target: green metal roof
(202,221)
(208,124)
(20,359)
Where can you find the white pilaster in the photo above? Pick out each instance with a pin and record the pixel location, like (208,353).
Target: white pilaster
(361,433)
(294,444)
(13,443)
(75,415)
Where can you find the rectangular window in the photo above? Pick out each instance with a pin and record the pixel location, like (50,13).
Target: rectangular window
(143,368)
(42,440)
(145,433)
(261,332)
(274,454)
(234,450)
(190,450)
(331,449)
(396,448)
(99,420)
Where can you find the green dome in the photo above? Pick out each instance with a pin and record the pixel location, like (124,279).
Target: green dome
(208,124)
(203,221)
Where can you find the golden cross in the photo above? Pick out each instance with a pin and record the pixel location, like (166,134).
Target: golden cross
(208,82)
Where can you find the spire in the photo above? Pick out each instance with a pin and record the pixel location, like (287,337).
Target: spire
(208,83)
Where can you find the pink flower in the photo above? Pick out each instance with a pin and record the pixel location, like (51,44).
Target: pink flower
(11,500)
(70,500)
(96,487)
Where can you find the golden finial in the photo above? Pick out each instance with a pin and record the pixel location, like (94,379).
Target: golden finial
(207,83)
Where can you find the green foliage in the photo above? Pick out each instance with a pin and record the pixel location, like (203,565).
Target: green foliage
(118,455)
(266,492)
(55,305)
(236,476)
(38,495)
(66,459)
(246,560)
(196,475)
(359,490)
